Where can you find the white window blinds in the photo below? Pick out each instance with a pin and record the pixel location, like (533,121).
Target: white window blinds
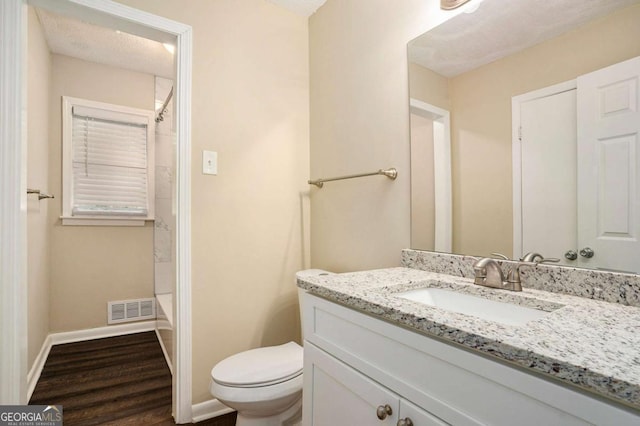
(110,163)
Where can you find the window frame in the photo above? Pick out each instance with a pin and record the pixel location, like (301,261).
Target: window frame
(68,217)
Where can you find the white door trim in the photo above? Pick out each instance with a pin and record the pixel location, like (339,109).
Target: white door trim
(13,232)
(441,170)
(13,188)
(516,153)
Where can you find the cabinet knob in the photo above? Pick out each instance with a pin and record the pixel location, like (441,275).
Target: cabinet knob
(587,252)
(571,255)
(383,411)
(405,422)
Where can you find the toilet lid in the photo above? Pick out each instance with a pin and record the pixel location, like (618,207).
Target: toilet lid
(260,367)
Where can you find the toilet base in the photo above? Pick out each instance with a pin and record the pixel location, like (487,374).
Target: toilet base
(292,416)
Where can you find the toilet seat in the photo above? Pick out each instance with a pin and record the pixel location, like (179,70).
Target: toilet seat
(246,398)
(260,367)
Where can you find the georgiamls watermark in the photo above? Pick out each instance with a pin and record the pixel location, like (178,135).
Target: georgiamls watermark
(30,415)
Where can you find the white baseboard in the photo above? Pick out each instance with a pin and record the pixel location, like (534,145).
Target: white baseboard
(80,336)
(209,409)
(101,332)
(164,351)
(38,365)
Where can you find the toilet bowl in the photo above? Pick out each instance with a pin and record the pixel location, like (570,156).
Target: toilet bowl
(263,385)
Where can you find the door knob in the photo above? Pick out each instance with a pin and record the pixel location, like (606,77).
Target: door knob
(587,252)
(405,422)
(571,255)
(383,411)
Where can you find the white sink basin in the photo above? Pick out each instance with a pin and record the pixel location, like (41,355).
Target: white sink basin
(505,313)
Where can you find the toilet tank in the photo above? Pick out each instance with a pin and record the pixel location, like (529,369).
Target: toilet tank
(302,274)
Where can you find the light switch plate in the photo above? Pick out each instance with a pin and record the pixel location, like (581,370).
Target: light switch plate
(209,162)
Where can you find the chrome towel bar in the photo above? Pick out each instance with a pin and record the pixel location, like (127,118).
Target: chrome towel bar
(391,173)
(41,196)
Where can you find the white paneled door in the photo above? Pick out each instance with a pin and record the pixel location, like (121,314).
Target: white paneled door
(608,179)
(548,167)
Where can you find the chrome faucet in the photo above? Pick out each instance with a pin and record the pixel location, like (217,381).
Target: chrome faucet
(513,279)
(488,273)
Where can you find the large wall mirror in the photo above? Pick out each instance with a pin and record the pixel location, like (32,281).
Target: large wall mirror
(500,95)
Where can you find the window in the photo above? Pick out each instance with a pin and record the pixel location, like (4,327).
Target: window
(107,164)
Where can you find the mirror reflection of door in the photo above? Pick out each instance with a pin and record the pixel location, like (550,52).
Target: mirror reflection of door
(609,155)
(547,134)
(422,182)
(430,177)
(587,135)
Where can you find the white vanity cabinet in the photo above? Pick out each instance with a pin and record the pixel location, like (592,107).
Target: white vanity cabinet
(356,364)
(340,395)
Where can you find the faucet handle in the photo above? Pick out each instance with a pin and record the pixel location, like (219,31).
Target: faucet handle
(537,258)
(549,260)
(513,278)
(500,255)
(532,257)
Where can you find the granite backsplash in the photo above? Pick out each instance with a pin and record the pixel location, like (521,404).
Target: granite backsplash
(614,287)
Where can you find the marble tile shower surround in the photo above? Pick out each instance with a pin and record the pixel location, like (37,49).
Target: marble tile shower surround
(164,232)
(607,286)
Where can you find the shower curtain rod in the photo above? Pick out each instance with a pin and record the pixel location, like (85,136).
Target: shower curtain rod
(160,116)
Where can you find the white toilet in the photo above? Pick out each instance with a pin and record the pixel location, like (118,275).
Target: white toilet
(263,385)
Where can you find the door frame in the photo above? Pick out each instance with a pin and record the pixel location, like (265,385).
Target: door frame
(441,170)
(13,232)
(13,267)
(516,153)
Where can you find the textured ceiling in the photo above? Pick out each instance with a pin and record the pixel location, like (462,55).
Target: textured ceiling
(301,7)
(496,29)
(70,37)
(499,28)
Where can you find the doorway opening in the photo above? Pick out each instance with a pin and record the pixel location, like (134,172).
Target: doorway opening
(431,220)
(112,15)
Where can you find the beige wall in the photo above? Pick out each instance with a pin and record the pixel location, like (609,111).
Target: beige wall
(481,124)
(360,123)
(38,253)
(91,265)
(251,105)
(429,86)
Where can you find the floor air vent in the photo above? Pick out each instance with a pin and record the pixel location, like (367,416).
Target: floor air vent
(131,310)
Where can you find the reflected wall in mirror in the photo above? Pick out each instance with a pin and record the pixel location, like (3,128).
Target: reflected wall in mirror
(473,66)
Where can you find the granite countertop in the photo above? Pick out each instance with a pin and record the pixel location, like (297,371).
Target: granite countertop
(587,343)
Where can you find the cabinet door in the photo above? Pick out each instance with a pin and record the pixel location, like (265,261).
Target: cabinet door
(335,394)
(417,415)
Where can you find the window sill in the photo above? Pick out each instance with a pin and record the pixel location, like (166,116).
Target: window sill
(103,221)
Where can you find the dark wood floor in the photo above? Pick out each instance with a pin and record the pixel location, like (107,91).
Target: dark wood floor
(120,380)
